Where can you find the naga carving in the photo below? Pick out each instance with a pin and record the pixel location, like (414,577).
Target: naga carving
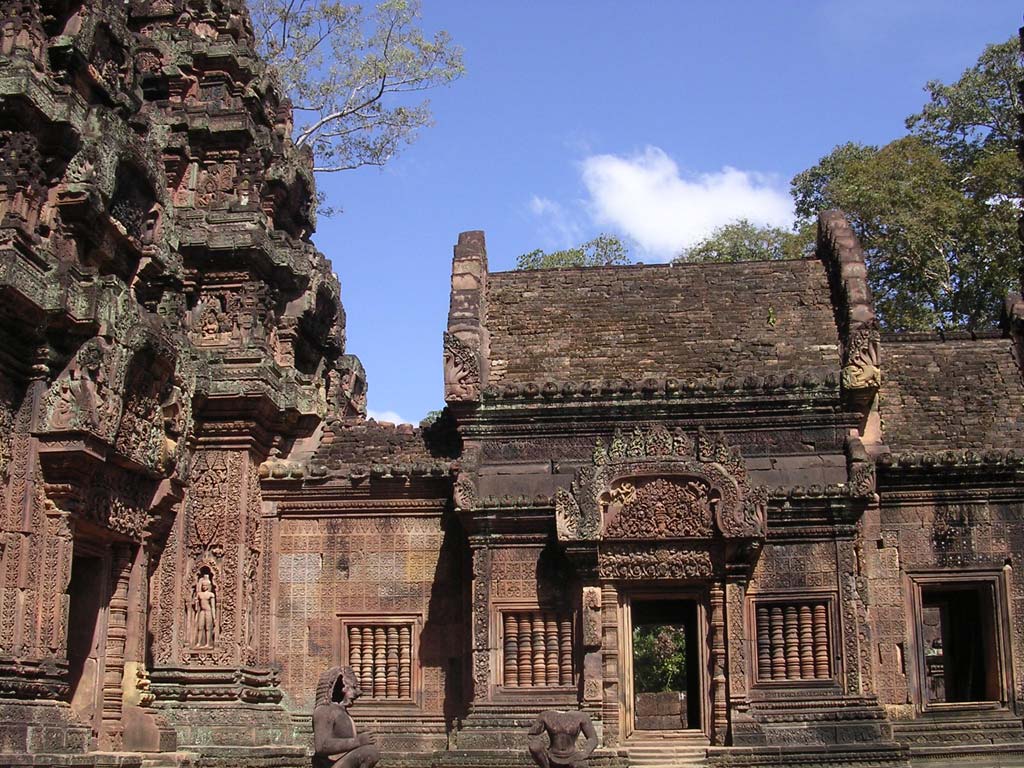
(861,369)
(461,370)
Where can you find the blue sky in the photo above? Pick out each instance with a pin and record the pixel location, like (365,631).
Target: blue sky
(655,121)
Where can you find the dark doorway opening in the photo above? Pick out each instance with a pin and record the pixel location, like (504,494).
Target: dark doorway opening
(666,653)
(959,643)
(86,600)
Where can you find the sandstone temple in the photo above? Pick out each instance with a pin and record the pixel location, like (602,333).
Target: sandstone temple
(712,506)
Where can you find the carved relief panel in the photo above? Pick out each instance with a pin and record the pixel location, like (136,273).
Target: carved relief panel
(233,308)
(659,508)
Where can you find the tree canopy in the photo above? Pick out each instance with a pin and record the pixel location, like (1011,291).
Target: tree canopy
(354,75)
(742,240)
(936,210)
(602,251)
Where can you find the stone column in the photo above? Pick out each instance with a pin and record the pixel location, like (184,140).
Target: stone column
(481,643)
(121,558)
(611,648)
(717,664)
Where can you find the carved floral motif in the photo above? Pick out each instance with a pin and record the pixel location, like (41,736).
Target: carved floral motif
(662,562)
(657,484)
(465,495)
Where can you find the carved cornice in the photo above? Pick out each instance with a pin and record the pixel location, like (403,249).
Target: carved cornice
(944,469)
(945,459)
(275,471)
(810,383)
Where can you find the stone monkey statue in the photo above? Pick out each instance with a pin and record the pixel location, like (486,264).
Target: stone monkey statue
(335,742)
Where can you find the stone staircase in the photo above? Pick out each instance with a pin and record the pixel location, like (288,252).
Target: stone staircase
(666,749)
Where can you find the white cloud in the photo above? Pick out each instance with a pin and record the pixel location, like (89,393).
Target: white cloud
(390,416)
(647,199)
(559,227)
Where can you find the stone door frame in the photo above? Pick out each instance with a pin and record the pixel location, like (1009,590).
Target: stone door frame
(699,595)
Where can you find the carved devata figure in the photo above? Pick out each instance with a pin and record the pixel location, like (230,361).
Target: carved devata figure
(204,611)
(335,742)
(563,730)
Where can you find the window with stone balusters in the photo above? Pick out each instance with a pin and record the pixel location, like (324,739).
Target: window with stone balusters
(380,652)
(537,649)
(793,640)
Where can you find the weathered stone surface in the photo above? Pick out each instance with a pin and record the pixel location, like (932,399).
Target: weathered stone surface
(952,394)
(687,322)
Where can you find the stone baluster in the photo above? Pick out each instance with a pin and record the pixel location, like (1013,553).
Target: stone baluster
(821,651)
(565,652)
(392,662)
(777,643)
(380,683)
(366,673)
(405,662)
(806,643)
(525,650)
(551,648)
(510,667)
(764,648)
(540,672)
(792,640)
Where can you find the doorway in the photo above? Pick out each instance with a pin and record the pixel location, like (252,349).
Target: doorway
(665,652)
(87,601)
(958,639)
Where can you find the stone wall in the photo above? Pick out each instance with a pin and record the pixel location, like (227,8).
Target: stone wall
(951,394)
(365,565)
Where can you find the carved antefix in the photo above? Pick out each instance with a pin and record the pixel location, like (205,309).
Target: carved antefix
(461,370)
(655,484)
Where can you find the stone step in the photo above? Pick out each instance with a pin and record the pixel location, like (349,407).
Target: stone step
(685,751)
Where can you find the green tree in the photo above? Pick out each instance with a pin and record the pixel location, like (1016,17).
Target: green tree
(602,251)
(659,658)
(979,112)
(936,211)
(431,418)
(354,76)
(742,240)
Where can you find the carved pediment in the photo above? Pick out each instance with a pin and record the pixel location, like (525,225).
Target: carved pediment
(655,484)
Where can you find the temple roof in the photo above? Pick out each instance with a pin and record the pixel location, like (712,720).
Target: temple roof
(951,394)
(687,321)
